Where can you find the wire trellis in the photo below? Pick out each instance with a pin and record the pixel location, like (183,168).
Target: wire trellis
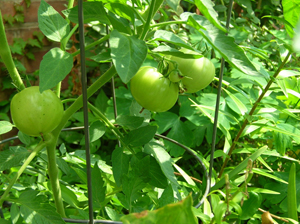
(86,128)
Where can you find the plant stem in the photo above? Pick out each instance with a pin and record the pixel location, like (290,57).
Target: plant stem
(51,148)
(53,175)
(246,121)
(148,21)
(6,56)
(37,149)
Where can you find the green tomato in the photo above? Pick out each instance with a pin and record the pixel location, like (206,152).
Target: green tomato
(152,90)
(198,73)
(36,113)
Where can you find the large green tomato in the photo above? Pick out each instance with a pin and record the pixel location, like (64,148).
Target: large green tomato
(152,90)
(198,73)
(36,113)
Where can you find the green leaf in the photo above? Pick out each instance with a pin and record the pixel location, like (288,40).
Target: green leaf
(35,210)
(239,168)
(169,37)
(167,197)
(124,11)
(178,213)
(132,187)
(291,12)
(251,205)
(206,7)
(165,121)
(157,177)
(5,127)
(165,162)
(128,54)
(266,174)
(242,108)
(97,130)
(225,45)
(51,23)
(120,166)
(131,122)
(12,157)
(292,194)
(14,213)
(69,196)
(98,187)
(54,67)
(92,11)
(174,4)
(140,136)
(119,23)
(180,132)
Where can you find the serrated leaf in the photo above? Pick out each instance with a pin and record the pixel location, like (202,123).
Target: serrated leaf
(291,13)
(225,45)
(98,187)
(165,121)
(206,7)
(181,133)
(169,37)
(5,127)
(35,210)
(128,54)
(120,166)
(140,136)
(51,23)
(165,162)
(92,11)
(131,122)
(12,157)
(55,66)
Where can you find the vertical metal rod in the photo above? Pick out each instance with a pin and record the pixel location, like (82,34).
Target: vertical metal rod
(213,146)
(85,110)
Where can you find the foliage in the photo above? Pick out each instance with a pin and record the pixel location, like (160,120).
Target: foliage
(139,165)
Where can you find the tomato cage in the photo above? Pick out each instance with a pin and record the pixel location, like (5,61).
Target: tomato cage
(207,174)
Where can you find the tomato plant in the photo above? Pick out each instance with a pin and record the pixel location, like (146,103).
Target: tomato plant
(152,90)
(36,113)
(197,73)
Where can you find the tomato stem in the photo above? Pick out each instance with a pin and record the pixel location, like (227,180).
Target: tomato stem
(37,149)
(6,56)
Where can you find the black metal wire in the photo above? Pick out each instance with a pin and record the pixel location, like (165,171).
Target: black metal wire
(85,110)
(215,126)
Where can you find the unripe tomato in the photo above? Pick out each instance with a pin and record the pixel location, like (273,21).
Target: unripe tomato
(198,73)
(152,90)
(36,113)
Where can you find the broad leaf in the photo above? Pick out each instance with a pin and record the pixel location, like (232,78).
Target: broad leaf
(169,37)
(206,7)
(12,157)
(128,54)
(36,210)
(165,162)
(98,187)
(225,45)
(92,11)
(291,12)
(120,166)
(165,121)
(5,127)
(140,136)
(251,205)
(54,67)
(51,23)
(96,131)
(131,122)
(124,11)
(177,213)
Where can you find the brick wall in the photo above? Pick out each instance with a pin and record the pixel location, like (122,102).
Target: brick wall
(30,25)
